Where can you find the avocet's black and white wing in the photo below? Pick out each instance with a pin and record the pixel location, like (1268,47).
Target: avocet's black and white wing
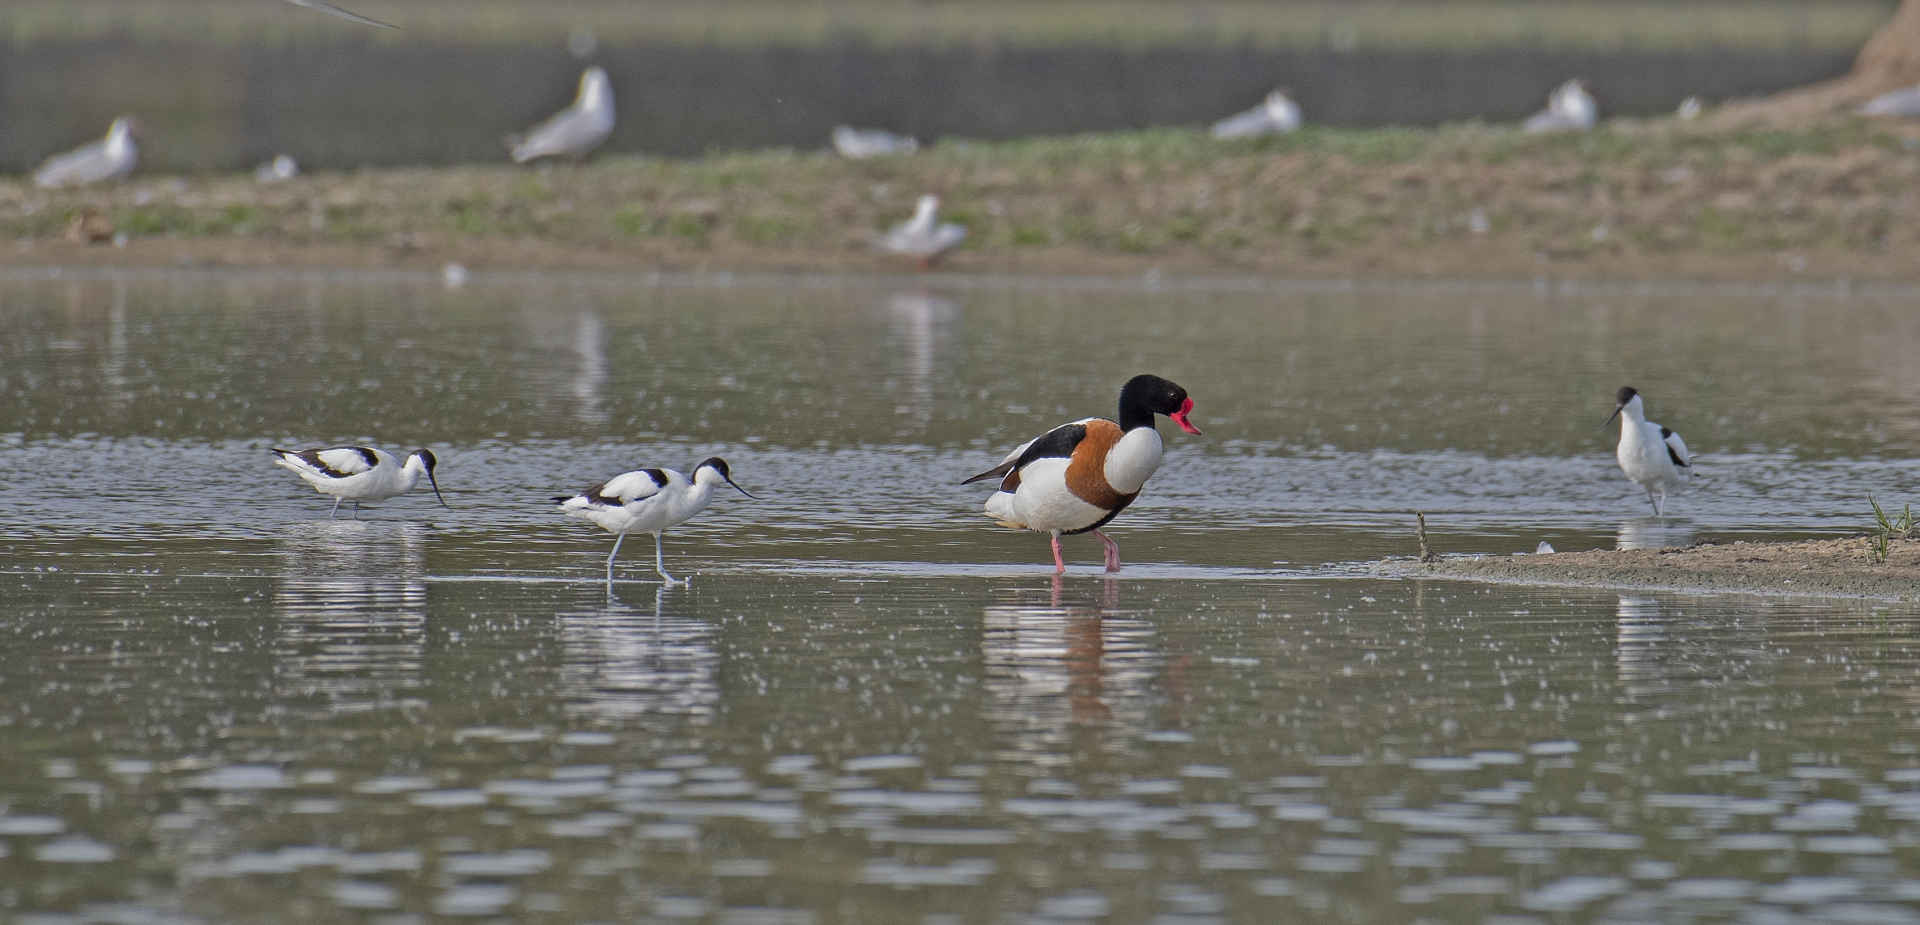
(333,463)
(620,491)
(1677,450)
(332,10)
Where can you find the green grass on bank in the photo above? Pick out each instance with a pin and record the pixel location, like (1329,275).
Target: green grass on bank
(1646,188)
(1456,25)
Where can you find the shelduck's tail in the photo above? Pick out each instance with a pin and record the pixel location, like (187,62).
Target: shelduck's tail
(1000,507)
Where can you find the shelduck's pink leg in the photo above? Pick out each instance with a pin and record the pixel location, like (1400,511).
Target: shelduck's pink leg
(1059,564)
(1112,550)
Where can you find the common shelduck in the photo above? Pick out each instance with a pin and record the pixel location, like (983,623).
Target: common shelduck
(110,158)
(1077,477)
(575,130)
(648,501)
(1570,108)
(923,237)
(360,473)
(1654,457)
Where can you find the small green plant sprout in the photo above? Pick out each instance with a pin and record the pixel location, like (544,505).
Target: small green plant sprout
(1888,529)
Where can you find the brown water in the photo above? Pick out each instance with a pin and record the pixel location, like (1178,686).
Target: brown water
(871,705)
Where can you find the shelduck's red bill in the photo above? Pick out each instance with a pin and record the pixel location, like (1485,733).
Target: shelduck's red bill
(1180,417)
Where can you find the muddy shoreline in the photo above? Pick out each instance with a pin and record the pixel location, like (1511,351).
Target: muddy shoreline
(1812,568)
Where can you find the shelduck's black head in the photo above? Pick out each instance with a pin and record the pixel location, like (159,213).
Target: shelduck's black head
(1145,396)
(1620,399)
(427,460)
(719,466)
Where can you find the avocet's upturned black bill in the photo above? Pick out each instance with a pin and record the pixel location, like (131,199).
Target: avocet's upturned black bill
(1077,477)
(648,501)
(1654,457)
(360,473)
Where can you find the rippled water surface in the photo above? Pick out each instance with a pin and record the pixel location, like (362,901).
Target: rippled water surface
(218,705)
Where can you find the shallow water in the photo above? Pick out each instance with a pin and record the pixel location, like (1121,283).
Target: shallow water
(872,706)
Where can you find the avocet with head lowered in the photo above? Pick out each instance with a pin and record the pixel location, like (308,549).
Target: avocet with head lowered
(359,473)
(1654,457)
(1077,477)
(648,501)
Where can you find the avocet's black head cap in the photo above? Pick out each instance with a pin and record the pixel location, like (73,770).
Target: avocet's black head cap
(1145,396)
(1625,395)
(720,465)
(426,459)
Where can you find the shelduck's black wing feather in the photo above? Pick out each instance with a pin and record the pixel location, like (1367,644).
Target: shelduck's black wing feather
(1058,442)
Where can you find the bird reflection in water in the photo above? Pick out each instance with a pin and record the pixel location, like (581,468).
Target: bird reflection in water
(1640,641)
(1653,533)
(352,612)
(590,379)
(1074,676)
(921,324)
(622,665)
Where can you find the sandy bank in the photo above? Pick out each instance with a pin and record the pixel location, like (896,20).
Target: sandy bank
(1814,568)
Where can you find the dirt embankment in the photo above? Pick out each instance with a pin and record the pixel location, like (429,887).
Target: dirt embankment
(1665,200)
(1815,568)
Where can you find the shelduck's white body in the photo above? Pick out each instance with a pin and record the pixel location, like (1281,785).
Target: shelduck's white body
(1654,457)
(359,473)
(1078,476)
(648,501)
(110,158)
(577,129)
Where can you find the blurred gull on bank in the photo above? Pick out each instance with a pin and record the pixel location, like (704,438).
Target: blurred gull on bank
(110,158)
(1689,109)
(922,237)
(1277,115)
(282,167)
(329,8)
(575,130)
(1904,102)
(861,143)
(1569,109)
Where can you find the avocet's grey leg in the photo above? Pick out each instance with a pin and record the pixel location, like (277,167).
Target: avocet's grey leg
(617,540)
(336,508)
(660,562)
